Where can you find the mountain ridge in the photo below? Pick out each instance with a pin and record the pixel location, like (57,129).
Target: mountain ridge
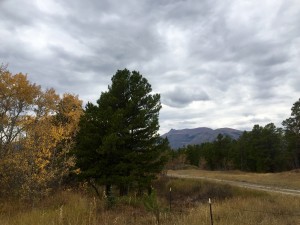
(193,136)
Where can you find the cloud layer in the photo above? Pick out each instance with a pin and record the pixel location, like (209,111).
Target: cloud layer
(225,63)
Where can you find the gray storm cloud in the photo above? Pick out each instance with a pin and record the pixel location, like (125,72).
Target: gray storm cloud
(212,61)
(181,97)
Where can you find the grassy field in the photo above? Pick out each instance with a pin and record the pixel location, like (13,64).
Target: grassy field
(230,206)
(289,179)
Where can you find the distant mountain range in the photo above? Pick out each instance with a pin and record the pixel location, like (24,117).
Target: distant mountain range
(180,138)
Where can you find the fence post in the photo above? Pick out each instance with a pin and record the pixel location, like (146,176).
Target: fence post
(170,199)
(210,210)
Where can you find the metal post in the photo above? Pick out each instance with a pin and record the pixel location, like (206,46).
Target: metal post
(211,215)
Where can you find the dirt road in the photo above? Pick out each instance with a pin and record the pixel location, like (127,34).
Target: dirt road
(243,184)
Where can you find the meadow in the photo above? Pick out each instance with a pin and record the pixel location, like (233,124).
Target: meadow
(189,206)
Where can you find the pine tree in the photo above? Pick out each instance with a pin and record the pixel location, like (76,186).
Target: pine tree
(118,142)
(292,134)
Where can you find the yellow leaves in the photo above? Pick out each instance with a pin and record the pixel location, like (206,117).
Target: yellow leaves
(12,169)
(69,112)
(17,88)
(17,96)
(39,126)
(46,103)
(24,90)
(49,139)
(77,171)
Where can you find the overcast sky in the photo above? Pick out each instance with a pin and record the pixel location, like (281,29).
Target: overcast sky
(226,63)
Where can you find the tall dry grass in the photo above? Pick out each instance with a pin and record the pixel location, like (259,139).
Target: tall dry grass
(267,210)
(189,207)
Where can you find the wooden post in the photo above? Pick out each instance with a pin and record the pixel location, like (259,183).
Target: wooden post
(210,210)
(170,198)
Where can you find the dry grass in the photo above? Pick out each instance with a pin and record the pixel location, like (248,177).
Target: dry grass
(289,179)
(231,206)
(266,210)
(71,208)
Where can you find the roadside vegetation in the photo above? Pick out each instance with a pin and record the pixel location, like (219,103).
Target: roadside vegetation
(189,206)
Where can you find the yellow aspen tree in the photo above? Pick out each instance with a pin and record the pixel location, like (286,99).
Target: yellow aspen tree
(17,98)
(66,123)
(36,134)
(49,140)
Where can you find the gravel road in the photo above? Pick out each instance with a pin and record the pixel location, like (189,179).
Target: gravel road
(271,189)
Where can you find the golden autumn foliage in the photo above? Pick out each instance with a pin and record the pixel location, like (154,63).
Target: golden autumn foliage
(17,99)
(36,134)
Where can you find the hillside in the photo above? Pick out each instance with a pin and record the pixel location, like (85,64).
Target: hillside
(180,138)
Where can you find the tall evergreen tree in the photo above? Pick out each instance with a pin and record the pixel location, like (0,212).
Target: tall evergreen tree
(118,143)
(292,134)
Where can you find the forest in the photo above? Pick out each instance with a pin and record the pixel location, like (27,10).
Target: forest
(263,149)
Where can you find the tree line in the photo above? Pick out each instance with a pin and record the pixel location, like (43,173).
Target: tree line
(263,149)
